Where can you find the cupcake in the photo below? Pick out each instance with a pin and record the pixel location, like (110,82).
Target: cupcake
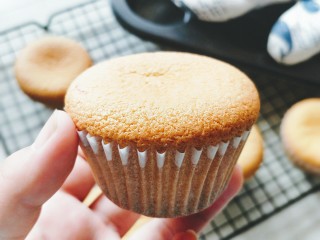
(162,131)
(300,134)
(251,156)
(45,68)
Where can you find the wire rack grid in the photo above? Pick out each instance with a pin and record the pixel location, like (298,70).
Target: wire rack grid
(276,185)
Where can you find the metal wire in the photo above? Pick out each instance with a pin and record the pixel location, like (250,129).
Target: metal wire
(276,185)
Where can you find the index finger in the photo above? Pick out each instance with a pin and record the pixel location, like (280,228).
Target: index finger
(80,181)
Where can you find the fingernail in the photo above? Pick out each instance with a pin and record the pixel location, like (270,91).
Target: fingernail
(188,235)
(46,132)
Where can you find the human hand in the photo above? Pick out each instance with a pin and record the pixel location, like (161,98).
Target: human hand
(295,36)
(42,188)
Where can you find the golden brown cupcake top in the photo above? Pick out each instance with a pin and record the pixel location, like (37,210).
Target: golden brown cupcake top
(163,98)
(45,68)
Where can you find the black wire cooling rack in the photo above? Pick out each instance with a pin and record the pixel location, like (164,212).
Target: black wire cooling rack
(276,185)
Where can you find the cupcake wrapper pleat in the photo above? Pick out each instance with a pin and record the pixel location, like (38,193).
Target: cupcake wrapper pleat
(167,184)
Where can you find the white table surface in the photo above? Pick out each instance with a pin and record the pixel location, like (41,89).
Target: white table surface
(300,221)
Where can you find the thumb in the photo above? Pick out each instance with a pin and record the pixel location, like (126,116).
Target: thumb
(32,175)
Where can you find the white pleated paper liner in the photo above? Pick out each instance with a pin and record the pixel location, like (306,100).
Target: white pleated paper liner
(167,184)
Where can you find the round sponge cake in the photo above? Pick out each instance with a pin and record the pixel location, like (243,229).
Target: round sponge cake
(47,66)
(252,154)
(162,131)
(300,133)
(163,98)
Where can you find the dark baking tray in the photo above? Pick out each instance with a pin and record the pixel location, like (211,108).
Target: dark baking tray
(241,41)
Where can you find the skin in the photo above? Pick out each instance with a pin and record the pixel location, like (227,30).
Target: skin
(42,188)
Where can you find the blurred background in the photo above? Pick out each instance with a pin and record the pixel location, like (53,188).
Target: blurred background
(280,202)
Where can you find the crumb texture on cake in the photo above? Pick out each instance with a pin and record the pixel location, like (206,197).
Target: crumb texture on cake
(163,98)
